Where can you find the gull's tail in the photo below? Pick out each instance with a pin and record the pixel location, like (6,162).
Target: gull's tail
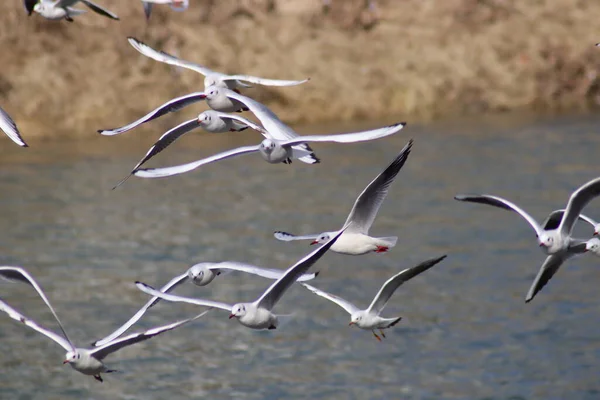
(389,241)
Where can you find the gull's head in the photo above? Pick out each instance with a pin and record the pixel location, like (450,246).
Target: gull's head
(39,7)
(237,311)
(355,319)
(322,238)
(546,241)
(268,145)
(211,91)
(72,357)
(205,118)
(196,272)
(179,5)
(596,229)
(201,274)
(593,245)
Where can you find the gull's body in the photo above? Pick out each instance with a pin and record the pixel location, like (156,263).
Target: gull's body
(556,242)
(257,314)
(56,10)
(210,120)
(86,361)
(369,318)
(211,78)
(272,150)
(9,127)
(176,5)
(592,245)
(356,239)
(201,275)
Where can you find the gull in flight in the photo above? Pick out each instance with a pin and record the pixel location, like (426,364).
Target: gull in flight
(592,245)
(356,240)
(369,318)
(211,78)
(258,314)
(201,275)
(272,150)
(209,120)
(86,361)
(176,5)
(556,241)
(8,126)
(60,9)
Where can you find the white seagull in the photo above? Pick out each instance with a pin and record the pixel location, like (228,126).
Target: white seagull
(556,242)
(356,240)
(60,9)
(211,78)
(272,150)
(255,315)
(86,361)
(209,120)
(8,126)
(176,5)
(592,245)
(369,318)
(201,275)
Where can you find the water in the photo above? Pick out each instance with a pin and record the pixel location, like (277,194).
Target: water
(466,332)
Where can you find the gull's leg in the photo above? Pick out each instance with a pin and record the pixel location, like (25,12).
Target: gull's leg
(376,336)
(98,378)
(382,334)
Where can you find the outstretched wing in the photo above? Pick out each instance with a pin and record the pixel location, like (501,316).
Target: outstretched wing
(262,81)
(181,299)
(546,272)
(288,237)
(102,11)
(555,217)
(253,269)
(8,126)
(578,200)
(346,305)
(390,286)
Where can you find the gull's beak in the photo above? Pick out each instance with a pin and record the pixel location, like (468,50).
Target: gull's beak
(351,323)
(314,242)
(595,233)
(66,362)
(231,316)
(541,244)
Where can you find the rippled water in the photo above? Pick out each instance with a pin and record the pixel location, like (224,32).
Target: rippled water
(466,332)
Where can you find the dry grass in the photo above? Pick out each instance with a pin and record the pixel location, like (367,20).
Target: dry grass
(414,59)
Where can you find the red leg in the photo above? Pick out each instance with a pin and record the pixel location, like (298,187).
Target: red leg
(382,249)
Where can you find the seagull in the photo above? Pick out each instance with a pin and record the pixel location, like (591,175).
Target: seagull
(369,319)
(556,242)
(211,78)
(356,240)
(60,9)
(201,275)
(176,5)
(209,120)
(272,150)
(255,315)
(86,361)
(8,126)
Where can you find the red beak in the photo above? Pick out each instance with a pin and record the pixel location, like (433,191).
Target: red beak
(314,242)
(595,233)
(231,316)
(66,361)
(351,323)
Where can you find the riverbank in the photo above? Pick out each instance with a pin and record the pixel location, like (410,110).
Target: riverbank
(415,59)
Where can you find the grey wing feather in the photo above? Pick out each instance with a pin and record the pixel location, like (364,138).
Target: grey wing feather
(367,204)
(181,299)
(288,237)
(147,9)
(555,217)
(390,286)
(276,290)
(345,304)
(546,272)
(253,269)
(14,314)
(111,347)
(8,126)
(99,10)
(578,200)
(172,284)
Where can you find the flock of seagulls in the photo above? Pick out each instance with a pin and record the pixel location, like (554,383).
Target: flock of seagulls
(280,144)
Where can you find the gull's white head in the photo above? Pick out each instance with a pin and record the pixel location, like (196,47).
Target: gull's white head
(237,311)
(322,238)
(201,274)
(39,7)
(546,241)
(356,318)
(268,146)
(72,357)
(593,245)
(205,118)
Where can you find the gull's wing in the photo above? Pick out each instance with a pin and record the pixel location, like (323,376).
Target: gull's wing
(8,126)
(172,284)
(180,169)
(578,200)
(14,314)
(20,275)
(274,126)
(546,272)
(555,217)
(262,81)
(390,286)
(29,5)
(170,106)
(367,204)
(253,269)
(500,203)
(166,58)
(99,10)
(346,305)
(162,143)
(180,299)
(147,8)
(104,350)
(288,237)
(243,120)
(348,137)
(270,297)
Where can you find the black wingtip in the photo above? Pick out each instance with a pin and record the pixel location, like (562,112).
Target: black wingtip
(139,283)
(317,273)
